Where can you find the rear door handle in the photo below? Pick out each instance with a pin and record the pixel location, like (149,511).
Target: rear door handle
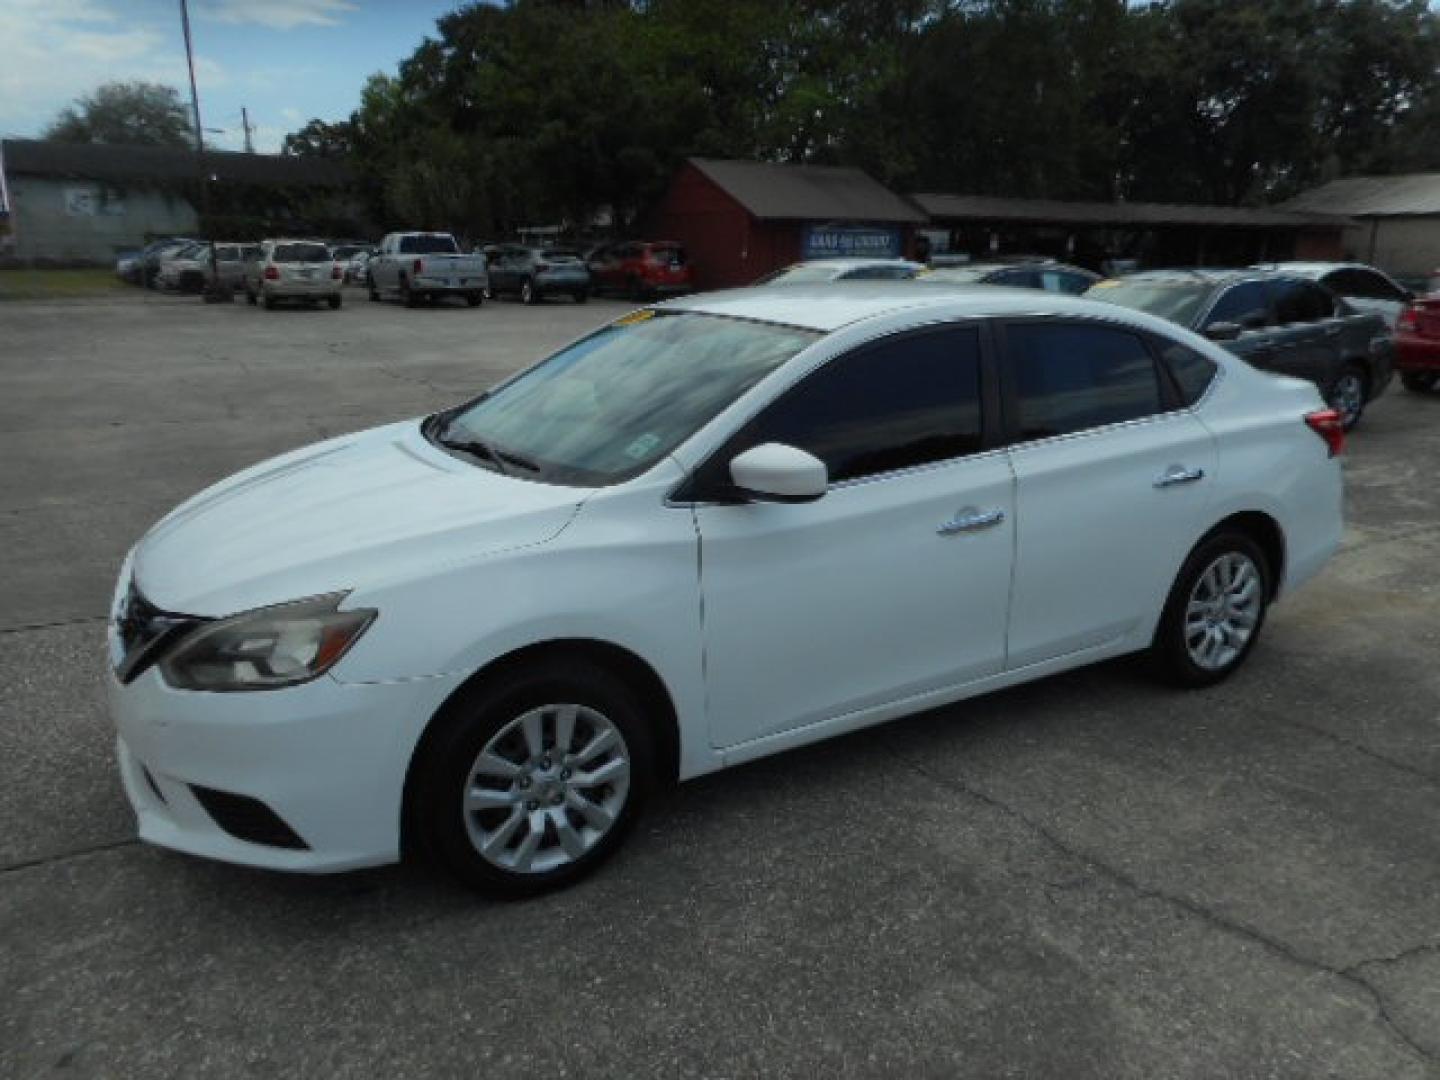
(1179,474)
(970,519)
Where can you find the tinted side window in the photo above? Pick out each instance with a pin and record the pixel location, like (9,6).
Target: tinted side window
(1247,304)
(1062,281)
(1070,377)
(1016,279)
(893,405)
(1193,372)
(1301,302)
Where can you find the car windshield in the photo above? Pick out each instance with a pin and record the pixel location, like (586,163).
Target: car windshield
(1178,301)
(428,244)
(614,403)
(301,253)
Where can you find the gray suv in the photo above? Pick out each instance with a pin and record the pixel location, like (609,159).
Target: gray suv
(1277,322)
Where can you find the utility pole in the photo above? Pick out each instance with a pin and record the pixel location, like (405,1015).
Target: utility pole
(246,126)
(212,287)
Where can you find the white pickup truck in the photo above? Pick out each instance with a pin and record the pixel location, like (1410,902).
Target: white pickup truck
(417,266)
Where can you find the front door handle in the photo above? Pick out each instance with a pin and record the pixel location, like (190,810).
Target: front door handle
(971,519)
(1179,474)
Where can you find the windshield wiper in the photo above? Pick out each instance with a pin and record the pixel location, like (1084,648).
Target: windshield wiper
(501,459)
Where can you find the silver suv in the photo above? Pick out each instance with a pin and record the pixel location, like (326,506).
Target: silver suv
(293,270)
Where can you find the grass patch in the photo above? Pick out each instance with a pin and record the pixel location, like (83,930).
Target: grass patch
(57,284)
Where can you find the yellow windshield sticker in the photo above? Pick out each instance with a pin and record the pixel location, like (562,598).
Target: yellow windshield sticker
(1108,283)
(634,317)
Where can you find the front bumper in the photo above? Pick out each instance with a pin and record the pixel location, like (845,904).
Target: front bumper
(328,759)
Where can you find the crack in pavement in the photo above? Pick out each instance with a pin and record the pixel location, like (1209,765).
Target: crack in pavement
(1398,958)
(63,856)
(1349,974)
(1361,748)
(78,620)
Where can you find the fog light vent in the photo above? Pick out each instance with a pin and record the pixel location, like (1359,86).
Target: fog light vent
(247,819)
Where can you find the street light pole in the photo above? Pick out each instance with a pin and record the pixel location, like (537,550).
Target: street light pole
(212,286)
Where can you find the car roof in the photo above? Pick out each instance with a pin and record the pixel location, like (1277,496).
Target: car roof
(1315,269)
(829,307)
(1200,276)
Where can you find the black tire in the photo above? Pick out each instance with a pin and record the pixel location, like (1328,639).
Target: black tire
(251,298)
(370,288)
(488,293)
(475,714)
(334,302)
(1170,653)
(1349,393)
(582,296)
(270,302)
(633,289)
(1420,382)
(528,293)
(408,297)
(473,299)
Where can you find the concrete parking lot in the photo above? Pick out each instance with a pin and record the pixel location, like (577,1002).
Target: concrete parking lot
(1092,876)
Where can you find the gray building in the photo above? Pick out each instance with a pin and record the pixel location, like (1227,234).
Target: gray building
(1395,219)
(87,203)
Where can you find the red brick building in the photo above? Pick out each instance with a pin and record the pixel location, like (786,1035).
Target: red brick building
(740,220)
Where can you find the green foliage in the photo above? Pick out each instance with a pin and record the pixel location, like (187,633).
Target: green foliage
(544,111)
(320,139)
(126,113)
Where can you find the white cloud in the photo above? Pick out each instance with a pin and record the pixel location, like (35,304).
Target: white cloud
(280,14)
(57,50)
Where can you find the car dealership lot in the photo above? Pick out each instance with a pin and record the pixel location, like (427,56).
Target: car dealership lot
(1089,876)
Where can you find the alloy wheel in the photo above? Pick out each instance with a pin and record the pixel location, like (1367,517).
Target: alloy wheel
(546,788)
(1347,396)
(1223,611)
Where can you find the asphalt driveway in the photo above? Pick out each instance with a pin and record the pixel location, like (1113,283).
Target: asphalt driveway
(1090,876)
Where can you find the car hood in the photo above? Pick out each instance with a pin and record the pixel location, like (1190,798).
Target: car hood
(357,511)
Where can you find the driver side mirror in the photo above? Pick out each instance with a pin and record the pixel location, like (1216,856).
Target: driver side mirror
(774,472)
(1224,331)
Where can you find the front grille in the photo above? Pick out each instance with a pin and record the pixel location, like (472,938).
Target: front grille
(247,819)
(143,630)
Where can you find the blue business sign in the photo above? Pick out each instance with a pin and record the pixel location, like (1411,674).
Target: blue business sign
(850,241)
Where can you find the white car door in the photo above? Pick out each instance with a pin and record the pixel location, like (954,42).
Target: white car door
(1113,479)
(894,583)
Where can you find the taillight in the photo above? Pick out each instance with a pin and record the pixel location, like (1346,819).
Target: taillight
(335,272)
(272,273)
(418,266)
(1409,320)
(1327,424)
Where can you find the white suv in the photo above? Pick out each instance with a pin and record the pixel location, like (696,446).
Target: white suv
(293,270)
(706,532)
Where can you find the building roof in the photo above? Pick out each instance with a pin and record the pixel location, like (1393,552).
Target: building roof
(811,192)
(1373,196)
(994,208)
(103,161)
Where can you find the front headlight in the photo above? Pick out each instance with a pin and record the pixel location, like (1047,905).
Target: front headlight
(266,648)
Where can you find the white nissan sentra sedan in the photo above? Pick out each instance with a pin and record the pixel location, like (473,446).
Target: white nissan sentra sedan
(709,531)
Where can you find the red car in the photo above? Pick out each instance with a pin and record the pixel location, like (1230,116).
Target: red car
(640,269)
(1417,345)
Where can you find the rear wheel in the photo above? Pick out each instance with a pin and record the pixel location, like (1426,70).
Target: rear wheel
(408,296)
(1347,395)
(251,298)
(1215,611)
(1420,382)
(532,778)
(473,299)
(269,302)
(581,296)
(334,301)
(528,295)
(370,287)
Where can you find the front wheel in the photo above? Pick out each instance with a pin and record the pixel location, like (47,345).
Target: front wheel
(533,778)
(1214,613)
(1347,395)
(1420,382)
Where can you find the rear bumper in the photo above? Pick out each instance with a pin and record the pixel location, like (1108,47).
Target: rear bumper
(573,283)
(465,283)
(1416,353)
(319,288)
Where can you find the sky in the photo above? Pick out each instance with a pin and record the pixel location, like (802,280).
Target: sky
(285,60)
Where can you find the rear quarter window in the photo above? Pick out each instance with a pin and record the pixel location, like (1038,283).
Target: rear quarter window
(1192,372)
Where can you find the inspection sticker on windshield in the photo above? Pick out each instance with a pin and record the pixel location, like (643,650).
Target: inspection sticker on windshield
(634,317)
(1109,283)
(641,447)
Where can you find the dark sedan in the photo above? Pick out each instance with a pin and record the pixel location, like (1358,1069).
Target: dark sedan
(1278,322)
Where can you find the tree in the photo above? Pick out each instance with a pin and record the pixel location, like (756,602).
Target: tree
(126,113)
(321,139)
